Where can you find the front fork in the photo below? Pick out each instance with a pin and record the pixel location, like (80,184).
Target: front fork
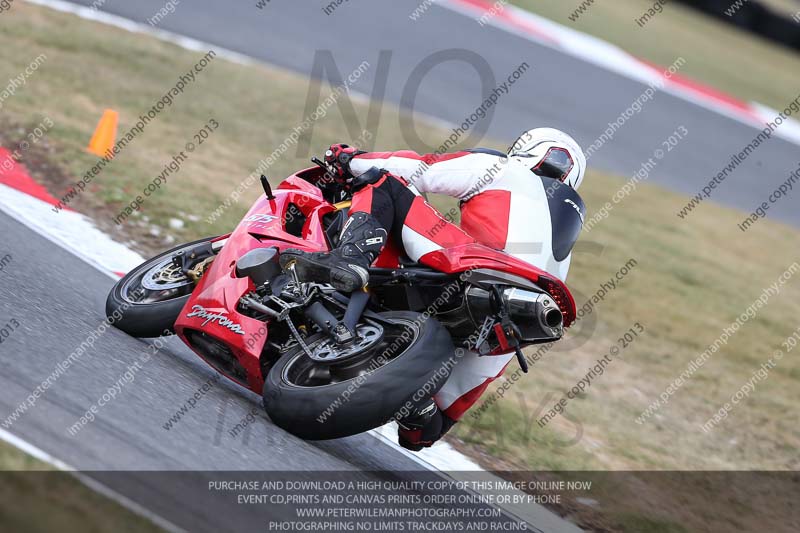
(194,262)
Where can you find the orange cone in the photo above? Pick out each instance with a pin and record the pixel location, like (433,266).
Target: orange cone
(104,135)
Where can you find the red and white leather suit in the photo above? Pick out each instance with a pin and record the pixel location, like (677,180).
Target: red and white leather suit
(503,205)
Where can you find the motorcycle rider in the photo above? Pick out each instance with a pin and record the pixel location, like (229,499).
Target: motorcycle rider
(502,198)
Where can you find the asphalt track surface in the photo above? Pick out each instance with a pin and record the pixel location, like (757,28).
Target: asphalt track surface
(560,90)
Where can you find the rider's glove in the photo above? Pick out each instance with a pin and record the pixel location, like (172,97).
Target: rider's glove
(338,159)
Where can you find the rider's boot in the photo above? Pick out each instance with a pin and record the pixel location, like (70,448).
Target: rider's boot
(344,267)
(423,427)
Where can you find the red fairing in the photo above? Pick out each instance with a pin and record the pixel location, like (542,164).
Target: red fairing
(219,290)
(472,256)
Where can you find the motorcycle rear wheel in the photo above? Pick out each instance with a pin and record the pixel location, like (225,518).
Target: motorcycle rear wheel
(317,401)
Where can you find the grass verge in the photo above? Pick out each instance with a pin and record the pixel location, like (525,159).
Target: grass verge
(34,497)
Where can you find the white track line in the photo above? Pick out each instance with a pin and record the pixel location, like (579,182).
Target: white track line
(69,230)
(135,27)
(610,57)
(93,484)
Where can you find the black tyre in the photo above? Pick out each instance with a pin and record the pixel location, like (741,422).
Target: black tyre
(147,301)
(316,401)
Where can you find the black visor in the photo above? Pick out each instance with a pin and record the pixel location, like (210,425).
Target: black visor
(556,164)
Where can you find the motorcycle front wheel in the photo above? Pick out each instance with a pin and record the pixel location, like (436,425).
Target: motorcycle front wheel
(393,374)
(147,300)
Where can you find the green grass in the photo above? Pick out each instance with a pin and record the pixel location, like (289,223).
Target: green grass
(693,277)
(34,497)
(716,53)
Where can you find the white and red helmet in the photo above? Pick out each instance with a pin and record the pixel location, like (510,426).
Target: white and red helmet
(551,153)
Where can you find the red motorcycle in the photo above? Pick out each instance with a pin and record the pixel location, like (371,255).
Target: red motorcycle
(328,364)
